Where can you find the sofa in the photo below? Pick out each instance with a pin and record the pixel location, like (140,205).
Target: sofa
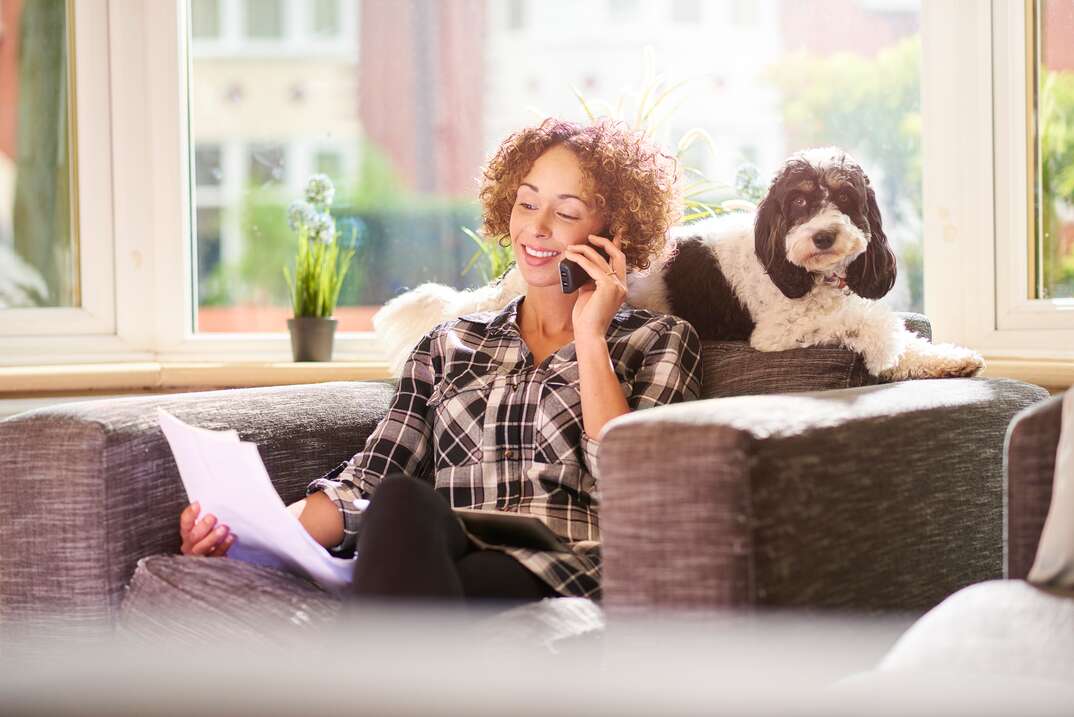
(795,481)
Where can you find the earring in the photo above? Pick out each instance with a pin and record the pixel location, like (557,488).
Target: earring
(501,240)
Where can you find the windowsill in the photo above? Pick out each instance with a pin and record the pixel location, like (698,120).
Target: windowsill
(1055,375)
(155,376)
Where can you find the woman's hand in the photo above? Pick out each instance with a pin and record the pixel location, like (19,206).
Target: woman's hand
(598,301)
(204,537)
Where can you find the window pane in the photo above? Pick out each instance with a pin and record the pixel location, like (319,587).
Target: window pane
(264,19)
(207,165)
(405,116)
(326,21)
(1055,150)
(38,252)
(205,19)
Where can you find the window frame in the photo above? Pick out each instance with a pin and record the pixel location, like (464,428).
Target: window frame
(135,195)
(91,198)
(976,154)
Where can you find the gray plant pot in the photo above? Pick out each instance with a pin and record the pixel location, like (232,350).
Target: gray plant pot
(311,338)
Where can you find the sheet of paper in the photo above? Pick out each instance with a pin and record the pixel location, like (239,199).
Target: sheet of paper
(227,477)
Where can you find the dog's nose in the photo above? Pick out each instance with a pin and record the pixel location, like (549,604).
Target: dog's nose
(824,240)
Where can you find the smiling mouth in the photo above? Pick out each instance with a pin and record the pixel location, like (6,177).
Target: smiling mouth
(538,254)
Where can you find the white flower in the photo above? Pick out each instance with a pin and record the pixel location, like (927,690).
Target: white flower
(299,214)
(319,190)
(322,228)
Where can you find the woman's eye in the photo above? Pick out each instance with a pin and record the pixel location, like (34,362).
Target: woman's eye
(567,216)
(526,205)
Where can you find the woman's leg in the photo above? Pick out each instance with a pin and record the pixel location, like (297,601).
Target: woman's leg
(408,544)
(412,545)
(492,575)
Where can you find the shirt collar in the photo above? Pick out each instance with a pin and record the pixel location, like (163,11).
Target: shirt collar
(505,322)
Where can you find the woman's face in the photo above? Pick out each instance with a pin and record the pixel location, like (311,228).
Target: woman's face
(551,211)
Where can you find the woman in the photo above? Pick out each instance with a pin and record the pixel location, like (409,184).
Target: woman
(504,410)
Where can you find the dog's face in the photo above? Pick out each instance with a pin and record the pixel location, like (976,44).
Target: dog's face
(820,222)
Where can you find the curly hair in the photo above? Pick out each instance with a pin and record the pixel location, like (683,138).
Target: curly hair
(633,182)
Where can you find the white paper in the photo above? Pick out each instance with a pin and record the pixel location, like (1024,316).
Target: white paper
(228,479)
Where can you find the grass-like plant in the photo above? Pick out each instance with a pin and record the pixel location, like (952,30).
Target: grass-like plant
(320,265)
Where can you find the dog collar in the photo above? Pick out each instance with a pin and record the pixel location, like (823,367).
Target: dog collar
(836,281)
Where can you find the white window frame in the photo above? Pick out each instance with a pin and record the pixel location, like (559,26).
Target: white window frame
(134,160)
(91,197)
(976,175)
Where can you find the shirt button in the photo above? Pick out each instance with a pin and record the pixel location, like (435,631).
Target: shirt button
(508,454)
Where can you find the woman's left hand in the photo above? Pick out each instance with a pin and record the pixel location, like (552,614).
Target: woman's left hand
(598,301)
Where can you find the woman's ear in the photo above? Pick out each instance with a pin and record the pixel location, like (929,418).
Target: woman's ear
(872,274)
(769,235)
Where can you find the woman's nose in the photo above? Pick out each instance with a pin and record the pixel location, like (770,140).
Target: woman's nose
(542,226)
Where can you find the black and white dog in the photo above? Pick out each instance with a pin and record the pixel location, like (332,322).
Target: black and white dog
(803,271)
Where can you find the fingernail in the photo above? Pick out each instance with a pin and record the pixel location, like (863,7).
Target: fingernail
(221,529)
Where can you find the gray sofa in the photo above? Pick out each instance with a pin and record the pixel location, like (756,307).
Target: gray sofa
(795,481)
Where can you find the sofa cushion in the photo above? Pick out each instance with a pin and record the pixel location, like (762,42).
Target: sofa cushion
(1004,627)
(1054,564)
(733,368)
(196,599)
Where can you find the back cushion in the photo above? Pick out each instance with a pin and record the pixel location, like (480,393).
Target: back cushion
(732,368)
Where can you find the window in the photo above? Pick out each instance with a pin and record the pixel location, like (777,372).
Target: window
(208,167)
(266,165)
(623,10)
(985,282)
(516,14)
(39,264)
(205,19)
(686,10)
(404,138)
(326,18)
(1052,153)
(172,211)
(330,163)
(264,19)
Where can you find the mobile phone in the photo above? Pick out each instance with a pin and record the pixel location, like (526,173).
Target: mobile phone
(572,275)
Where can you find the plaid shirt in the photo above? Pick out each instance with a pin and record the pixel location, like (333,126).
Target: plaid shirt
(488,429)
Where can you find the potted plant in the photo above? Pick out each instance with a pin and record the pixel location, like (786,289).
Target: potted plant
(318,274)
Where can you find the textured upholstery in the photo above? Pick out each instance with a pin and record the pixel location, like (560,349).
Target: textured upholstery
(763,490)
(1031,448)
(86,489)
(732,368)
(882,497)
(199,600)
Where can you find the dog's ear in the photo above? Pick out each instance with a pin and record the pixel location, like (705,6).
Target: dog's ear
(769,242)
(872,274)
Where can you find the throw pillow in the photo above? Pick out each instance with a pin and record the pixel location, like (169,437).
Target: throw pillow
(1054,564)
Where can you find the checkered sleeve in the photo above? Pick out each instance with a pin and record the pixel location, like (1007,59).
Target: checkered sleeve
(590,451)
(670,372)
(671,369)
(401,443)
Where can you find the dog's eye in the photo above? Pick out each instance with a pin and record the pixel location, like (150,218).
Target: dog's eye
(798,202)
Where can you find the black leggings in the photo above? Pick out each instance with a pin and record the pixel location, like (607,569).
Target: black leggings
(412,546)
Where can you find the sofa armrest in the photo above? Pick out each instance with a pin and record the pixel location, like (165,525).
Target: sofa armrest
(880,497)
(1032,442)
(86,489)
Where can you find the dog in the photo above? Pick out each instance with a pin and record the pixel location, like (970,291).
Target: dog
(805,270)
